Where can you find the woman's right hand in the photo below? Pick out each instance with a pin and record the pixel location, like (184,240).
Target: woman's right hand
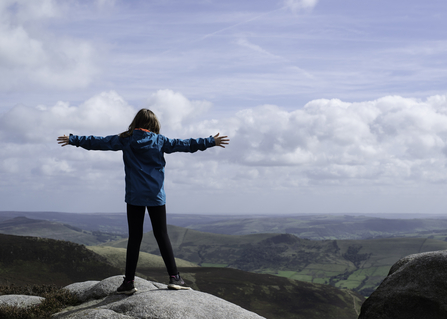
(221,140)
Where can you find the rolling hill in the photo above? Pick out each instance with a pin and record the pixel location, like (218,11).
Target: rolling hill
(328,227)
(32,260)
(359,265)
(315,227)
(23,226)
(35,261)
(117,257)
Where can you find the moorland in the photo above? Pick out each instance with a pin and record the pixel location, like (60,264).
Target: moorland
(29,261)
(345,252)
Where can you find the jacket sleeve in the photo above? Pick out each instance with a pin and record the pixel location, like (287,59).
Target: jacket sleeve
(189,145)
(98,143)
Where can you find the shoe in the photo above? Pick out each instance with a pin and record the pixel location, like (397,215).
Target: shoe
(176,283)
(126,287)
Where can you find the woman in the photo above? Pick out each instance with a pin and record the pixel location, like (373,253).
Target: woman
(143,155)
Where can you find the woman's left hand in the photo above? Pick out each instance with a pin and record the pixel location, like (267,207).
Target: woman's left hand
(64,140)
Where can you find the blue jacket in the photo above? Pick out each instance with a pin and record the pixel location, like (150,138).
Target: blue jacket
(144,163)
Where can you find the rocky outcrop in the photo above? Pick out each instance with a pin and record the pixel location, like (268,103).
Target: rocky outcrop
(415,288)
(152,300)
(20,301)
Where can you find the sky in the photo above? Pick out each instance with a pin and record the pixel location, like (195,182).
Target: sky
(333,106)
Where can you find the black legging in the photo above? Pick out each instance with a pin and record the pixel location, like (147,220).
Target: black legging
(135,219)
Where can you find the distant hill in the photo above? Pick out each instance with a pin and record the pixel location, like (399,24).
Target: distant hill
(115,223)
(359,265)
(315,227)
(23,226)
(270,296)
(31,260)
(324,227)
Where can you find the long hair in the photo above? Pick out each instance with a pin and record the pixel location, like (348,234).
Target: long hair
(145,119)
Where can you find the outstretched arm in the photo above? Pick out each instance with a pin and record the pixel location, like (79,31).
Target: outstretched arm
(97,143)
(221,140)
(64,140)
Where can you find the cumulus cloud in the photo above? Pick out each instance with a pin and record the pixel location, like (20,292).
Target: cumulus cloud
(389,140)
(173,109)
(392,141)
(392,138)
(106,113)
(30,54)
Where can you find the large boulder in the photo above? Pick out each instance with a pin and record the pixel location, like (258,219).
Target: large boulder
(152,300)
(415,288)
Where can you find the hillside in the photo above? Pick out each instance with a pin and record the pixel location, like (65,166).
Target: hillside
(117,257)
(115,223)
(355,264)
(23,226)
(32,260)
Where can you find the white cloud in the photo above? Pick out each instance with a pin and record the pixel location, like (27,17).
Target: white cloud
(32,55)
(389,140)
(173,109)
(106,113)
(392,142)
(24,10)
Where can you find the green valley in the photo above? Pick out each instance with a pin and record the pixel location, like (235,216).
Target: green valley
(354,264)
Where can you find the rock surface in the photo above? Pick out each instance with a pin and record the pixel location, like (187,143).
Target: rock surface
(415,288)
(152,300)
(20,301)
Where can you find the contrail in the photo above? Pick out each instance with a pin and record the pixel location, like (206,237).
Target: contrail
(237,24)
(225,29)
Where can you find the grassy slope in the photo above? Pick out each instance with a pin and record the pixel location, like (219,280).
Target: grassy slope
(31,260)
(353,264)
(270,296)
(117,257)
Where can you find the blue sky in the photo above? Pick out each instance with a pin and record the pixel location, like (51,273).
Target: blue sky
(331,106)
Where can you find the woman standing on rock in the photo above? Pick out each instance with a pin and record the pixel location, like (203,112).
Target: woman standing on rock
(143,155)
